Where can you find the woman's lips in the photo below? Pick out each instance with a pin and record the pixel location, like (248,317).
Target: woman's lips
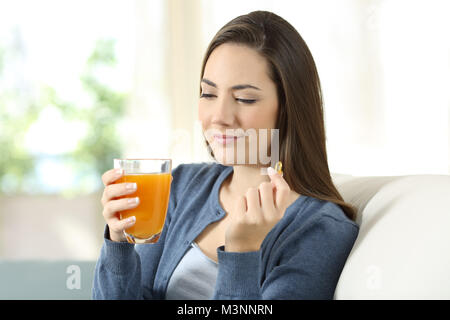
(224,139)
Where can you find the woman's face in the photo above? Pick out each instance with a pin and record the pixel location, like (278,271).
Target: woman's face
(238,105)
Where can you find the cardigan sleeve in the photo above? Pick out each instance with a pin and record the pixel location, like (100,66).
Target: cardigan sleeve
(117,272)
(308,264)
(124,271)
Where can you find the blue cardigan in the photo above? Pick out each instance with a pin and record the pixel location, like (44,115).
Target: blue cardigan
(301,257)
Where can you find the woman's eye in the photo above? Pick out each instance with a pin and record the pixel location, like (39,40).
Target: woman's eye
(207,95)
(247,101)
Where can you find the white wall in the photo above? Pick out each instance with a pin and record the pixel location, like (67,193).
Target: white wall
(384,67)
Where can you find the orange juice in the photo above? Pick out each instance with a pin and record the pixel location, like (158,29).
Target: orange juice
(153,191)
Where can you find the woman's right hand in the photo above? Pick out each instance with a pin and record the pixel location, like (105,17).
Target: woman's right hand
(112,206)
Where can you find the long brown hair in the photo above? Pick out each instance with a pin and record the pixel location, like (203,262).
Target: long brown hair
(300,107)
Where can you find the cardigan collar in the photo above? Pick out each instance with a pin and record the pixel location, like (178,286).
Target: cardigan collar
(214,199)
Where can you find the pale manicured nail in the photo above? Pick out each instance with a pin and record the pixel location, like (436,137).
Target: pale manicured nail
(131,219)
(271,171)
(119,172)
(131,186)
(133,200)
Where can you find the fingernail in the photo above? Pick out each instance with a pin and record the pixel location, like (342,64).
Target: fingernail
(119,172)
(131,219)
(131,186)
(271,171)
(133,200)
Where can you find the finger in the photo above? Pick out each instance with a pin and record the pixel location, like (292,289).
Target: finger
(121,225)
(252,197)
(267,198)
(254,214)
(282,188)
(113,191)
(241,205)
(111,176)
(112,207)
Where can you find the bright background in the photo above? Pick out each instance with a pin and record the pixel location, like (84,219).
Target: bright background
(82,82)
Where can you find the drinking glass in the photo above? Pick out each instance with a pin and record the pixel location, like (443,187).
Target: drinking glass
(153,179)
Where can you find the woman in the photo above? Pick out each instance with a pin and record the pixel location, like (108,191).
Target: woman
(232,232)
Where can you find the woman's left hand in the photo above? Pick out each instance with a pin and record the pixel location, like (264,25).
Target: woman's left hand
(257,213)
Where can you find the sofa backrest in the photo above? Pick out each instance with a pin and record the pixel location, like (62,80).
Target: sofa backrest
(403,247)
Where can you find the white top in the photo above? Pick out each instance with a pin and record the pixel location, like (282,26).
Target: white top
(194,278)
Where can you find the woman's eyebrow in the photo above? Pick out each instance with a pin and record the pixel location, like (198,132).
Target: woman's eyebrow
(244,86)
(209,82)
(236,87)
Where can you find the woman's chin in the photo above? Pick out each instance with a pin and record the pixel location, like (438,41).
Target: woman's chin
(228,156)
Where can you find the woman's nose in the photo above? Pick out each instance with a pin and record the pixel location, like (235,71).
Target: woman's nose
(223,112)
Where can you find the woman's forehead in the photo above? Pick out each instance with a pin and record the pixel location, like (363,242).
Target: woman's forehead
(231,64)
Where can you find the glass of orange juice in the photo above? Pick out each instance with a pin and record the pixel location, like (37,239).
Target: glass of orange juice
(153,179)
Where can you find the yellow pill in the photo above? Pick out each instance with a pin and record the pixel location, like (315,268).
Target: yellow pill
(278,167)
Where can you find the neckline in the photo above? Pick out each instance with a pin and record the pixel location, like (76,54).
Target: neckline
(216,206)
(196,247)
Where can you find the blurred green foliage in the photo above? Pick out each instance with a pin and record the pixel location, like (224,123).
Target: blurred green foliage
(95,150)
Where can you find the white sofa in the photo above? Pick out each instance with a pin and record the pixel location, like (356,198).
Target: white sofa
(403,247)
